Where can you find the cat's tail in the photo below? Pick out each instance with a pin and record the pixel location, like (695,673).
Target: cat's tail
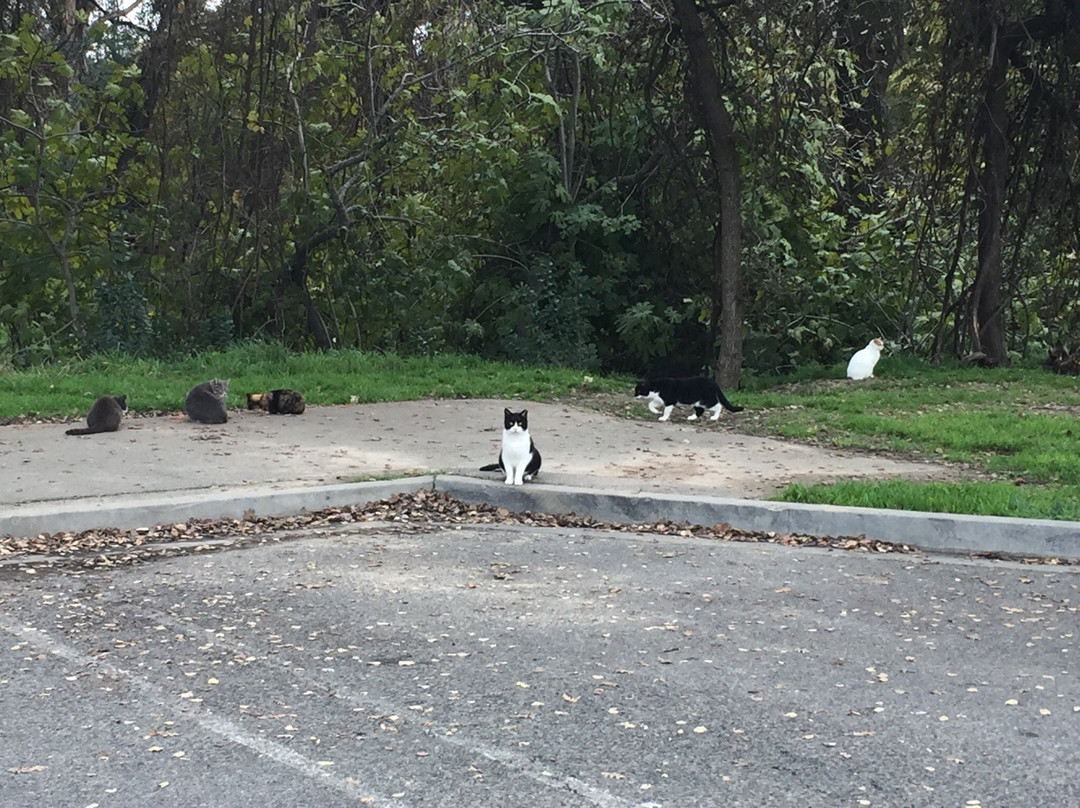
(491,467)
(82,431)
(727,404)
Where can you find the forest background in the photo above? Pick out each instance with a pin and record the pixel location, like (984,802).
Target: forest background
(619,186)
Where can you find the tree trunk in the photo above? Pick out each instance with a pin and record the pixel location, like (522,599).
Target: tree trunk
(64,257)
(871,31)
(297,275)
(985,306)
(156,63)
(720,134)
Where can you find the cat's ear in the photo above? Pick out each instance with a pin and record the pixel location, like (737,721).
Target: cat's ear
(524,413)
(506,411)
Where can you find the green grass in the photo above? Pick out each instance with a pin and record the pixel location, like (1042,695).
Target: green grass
(1020,425)
(985,498)
(339,377)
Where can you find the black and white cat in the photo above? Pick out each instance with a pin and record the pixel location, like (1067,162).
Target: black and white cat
(699,392)
(519,458)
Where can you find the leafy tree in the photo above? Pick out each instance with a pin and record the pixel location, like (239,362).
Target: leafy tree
(59,149)
(686,186)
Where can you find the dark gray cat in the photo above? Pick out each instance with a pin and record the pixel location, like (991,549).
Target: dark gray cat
(104,416)
(205,403)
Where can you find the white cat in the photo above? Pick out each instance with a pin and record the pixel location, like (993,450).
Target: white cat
(519,457)
(862,363)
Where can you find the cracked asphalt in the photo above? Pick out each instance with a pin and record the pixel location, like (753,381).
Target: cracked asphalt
(515,666)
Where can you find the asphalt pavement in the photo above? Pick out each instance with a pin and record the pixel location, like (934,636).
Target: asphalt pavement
(513,666)
(420,665)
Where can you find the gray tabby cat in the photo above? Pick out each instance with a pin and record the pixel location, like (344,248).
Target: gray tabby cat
(205,403)
(104,416)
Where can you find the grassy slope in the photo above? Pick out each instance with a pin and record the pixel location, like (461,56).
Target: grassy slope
(1019,427)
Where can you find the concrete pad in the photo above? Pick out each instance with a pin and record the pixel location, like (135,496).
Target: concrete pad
(329,445)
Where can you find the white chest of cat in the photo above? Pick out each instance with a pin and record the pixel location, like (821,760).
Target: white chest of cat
(517,451)
(518,457)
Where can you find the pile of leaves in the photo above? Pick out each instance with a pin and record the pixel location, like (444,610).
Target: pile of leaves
(424,510)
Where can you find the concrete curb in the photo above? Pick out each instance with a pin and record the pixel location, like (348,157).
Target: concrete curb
(144,510)
(929,531)
(938,532)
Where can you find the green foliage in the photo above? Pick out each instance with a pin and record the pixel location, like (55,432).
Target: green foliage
(545,318)
(215,332)
(513,181)
(59,150)
(822,236)
(645,332)
(122,320)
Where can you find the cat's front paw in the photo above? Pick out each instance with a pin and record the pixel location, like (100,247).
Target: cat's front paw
(692,416)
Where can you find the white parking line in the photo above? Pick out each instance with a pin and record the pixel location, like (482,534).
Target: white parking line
(519,764)
(204,717)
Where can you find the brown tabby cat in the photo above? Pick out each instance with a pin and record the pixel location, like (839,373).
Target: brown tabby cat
(104,416)
(277,402)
